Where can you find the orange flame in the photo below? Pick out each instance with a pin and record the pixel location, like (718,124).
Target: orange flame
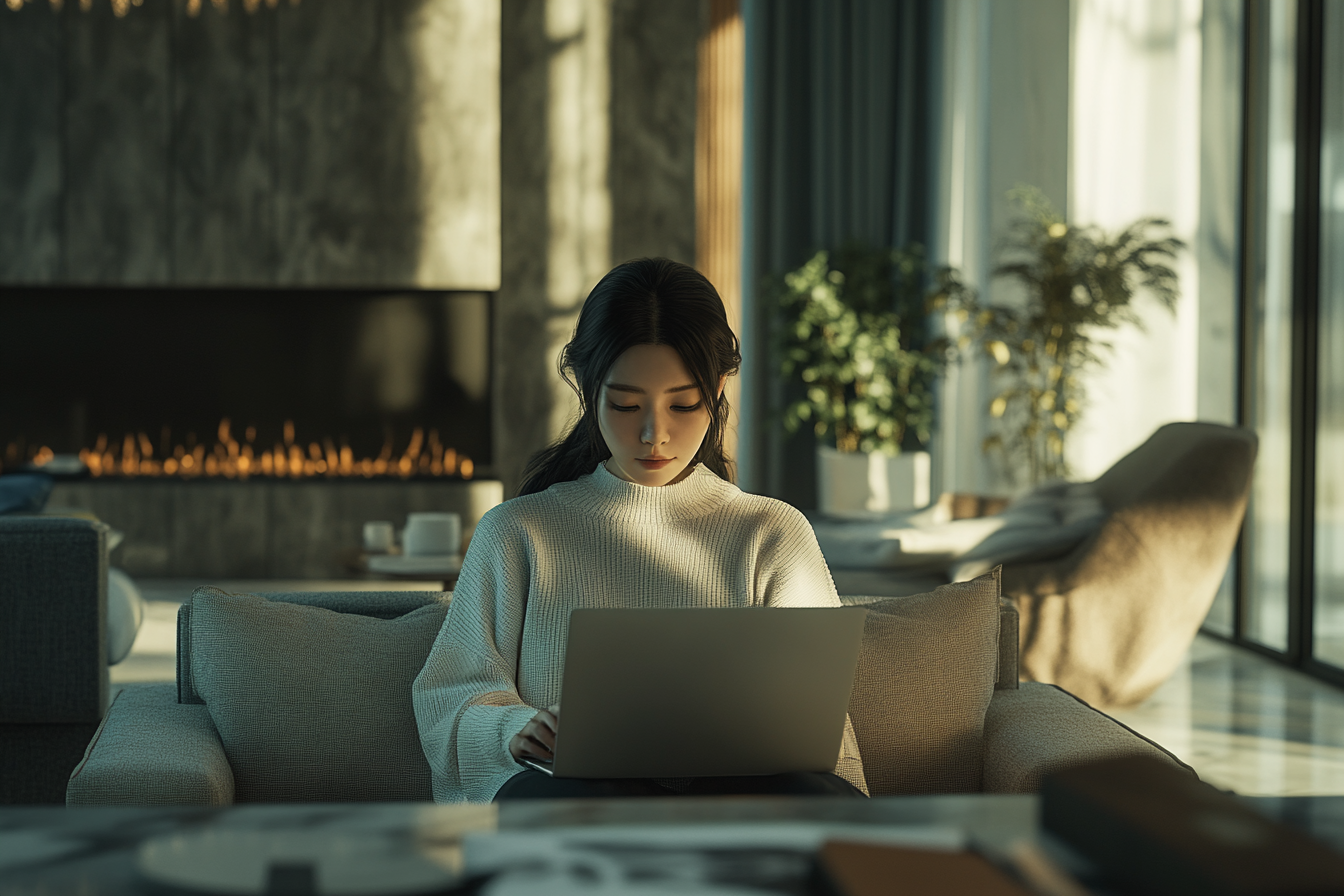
(231,459)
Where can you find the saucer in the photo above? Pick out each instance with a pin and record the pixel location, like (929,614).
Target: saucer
(410,564)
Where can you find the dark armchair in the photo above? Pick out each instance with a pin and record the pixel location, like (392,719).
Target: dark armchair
(53,651)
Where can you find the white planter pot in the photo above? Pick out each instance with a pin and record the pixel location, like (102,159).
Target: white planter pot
(862,484)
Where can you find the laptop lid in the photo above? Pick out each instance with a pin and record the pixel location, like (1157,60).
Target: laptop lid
(669,693)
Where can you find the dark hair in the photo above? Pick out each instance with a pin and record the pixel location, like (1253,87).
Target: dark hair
(649,301)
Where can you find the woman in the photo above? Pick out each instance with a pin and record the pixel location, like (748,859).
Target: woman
(634,507)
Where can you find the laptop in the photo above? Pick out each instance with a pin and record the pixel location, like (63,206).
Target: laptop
(673,693)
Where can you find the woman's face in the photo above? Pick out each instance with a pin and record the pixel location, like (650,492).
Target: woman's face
(651,415)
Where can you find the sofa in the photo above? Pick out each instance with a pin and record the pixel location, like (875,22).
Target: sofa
(53,650)
(306,697)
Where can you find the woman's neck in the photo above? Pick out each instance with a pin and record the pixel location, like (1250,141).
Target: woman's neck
(690,468)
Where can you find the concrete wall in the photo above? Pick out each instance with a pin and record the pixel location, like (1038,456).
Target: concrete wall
(335,143)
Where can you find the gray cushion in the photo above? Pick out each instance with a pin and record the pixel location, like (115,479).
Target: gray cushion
(125,613)
(379,604)
(925,678)
(310,704)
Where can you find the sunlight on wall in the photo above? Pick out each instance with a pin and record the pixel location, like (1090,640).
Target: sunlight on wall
(960,235)
(1004,123)
(455,53)
(1135,152)
(578,197)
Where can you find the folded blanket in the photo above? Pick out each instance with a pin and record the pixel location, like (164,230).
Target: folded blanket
(1047,521)
(879,545)
(1022,546)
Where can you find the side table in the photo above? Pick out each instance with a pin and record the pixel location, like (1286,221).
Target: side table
(443,568)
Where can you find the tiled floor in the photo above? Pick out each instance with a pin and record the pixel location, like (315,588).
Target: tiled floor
(1245,723)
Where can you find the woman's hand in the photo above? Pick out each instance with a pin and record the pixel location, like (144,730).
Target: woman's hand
(537,739)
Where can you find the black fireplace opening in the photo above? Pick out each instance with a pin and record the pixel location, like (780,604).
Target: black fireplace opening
(241,383)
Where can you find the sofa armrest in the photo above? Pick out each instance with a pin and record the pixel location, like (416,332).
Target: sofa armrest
(1006,676)
(53,621)
(1040,728)
(152,751)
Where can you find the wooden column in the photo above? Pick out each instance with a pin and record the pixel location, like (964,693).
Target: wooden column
(718,167)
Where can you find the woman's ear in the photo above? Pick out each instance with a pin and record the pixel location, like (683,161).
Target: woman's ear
(722,381)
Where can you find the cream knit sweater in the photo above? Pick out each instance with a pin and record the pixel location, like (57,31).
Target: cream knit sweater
(598,541)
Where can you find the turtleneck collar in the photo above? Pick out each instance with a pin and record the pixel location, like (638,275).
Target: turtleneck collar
(604,492)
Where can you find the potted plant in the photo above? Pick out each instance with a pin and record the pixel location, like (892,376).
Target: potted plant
(1078,281)
(855,338)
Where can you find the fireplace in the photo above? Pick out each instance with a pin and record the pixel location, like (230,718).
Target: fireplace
(248,433)
(143,381)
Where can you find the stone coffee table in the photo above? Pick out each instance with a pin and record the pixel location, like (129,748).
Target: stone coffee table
(92,851)
(46,850)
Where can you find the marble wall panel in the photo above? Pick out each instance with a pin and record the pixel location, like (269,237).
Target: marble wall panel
(653,101)
(71,495)
(30,145)
(117,113)
(306,518)
(223,156)
(221,529)
(142,511)
(348,178)
(260,528)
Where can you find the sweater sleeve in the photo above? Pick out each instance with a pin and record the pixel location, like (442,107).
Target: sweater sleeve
(466,697)
(791,572)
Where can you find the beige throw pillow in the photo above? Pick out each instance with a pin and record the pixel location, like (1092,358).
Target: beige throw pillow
(923,685)
(313,705)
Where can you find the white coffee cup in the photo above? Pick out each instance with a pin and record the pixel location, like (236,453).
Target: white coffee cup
(432,534)
(378,537)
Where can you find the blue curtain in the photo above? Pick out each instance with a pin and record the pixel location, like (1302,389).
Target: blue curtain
(839,144)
